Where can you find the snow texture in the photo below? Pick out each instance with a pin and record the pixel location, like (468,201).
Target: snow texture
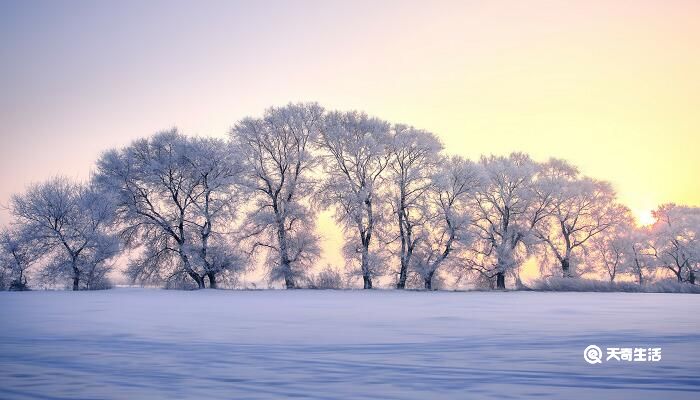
(147,343)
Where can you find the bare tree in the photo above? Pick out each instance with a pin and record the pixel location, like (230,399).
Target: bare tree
(356,156)
(278,162)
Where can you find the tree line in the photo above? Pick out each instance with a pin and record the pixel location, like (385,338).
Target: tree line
(198,212)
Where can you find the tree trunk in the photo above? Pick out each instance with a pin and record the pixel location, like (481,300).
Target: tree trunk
(401,284)
(366,277)
(76,274)
(188,268)
(284,253)
(403,268)
(500,280)
(428,281)
(199,280)
(212,280)
(691,277)
(289,282)
(566,268)
(640,278)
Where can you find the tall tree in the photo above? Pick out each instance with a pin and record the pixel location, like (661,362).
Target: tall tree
(214,206)
(506,211)
(356,157)
(414,157)
(449,215)
(156,190)
(278,162)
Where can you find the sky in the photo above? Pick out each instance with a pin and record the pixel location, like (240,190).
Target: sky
(612,86)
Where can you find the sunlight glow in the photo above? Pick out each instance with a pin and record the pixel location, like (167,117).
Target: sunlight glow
(643,217)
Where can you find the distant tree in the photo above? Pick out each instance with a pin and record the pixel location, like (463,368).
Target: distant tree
(19,251)
(577,209)
(506,211)
(639,257)
(623,248)
(73,223)
(675,240)
(414,158)
(357,154)
(611,251)
(448,215)
(278,162)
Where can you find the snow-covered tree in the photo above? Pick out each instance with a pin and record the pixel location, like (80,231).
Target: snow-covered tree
(611,251)
(214,207)
(578,208)
(414,157)
(19,251)
(73,223)
(506,211)
(638,253)
(156,189)
(675,240)
(278,160)
(624,248)
(448,215)
(356,158)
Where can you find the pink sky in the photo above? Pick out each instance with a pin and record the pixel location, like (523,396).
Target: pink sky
(612,86)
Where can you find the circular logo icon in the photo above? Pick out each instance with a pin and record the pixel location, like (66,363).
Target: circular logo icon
(593,354)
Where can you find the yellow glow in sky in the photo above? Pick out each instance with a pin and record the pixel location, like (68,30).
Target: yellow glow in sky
(612,86)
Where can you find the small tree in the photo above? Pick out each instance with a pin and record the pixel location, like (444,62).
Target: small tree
(74,224)
(578,208)
(327,278)
(18,253)
(639,257)
(675,240)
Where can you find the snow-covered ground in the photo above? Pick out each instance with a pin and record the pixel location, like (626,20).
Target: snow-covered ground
(150,344)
